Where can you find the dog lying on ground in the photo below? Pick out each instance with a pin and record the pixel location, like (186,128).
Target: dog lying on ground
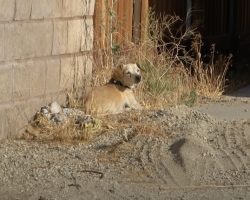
(117,95)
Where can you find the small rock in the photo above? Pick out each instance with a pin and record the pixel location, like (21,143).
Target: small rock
(55,108)
(84,118)
(73,112)
(58,118)
(45,110)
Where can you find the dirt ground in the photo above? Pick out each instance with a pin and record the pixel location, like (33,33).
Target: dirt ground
(175,153)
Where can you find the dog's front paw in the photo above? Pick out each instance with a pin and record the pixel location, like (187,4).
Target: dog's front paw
(136,106)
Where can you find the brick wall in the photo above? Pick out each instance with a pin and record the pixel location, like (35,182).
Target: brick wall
(45,46)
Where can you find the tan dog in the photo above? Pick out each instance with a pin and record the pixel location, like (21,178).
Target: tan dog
(117,95)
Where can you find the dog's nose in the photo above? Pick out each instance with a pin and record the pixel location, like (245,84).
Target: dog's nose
(137,78)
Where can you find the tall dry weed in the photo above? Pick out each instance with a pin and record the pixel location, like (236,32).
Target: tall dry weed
(171,59)
(209,78)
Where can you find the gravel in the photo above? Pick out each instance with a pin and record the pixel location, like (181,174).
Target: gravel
(175,153)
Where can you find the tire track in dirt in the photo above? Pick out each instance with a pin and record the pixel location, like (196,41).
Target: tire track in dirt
(222,153)
(175,166)
(150,164)
(198,158)
(243,144)
(198,161)
(149,153)
(161,169)
(235,144)
(200,151)
(233,149)
(158,164)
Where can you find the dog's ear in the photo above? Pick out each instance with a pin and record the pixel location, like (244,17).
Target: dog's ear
(139,66)
(120,67)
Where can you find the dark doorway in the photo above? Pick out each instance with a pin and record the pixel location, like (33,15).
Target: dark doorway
(225,23)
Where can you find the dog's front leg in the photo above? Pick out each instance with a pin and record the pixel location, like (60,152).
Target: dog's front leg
(134,104)
(137,106)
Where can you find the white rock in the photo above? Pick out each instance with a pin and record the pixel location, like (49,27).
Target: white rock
(55,108)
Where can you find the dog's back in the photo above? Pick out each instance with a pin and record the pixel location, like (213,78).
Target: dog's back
(104,99)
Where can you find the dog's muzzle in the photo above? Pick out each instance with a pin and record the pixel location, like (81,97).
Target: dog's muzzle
(137,78)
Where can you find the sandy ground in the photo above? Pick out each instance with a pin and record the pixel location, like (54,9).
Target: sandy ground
(182,153)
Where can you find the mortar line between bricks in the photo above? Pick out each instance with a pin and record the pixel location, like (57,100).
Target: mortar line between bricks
(14,103)
(48,19)
(83,53)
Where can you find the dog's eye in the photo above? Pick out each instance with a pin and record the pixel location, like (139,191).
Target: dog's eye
(138,70)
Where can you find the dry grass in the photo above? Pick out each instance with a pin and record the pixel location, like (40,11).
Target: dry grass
(42,129)
(172,63)
(134,120)
(209,78)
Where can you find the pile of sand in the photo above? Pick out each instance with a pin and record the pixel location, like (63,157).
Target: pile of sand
(176,153)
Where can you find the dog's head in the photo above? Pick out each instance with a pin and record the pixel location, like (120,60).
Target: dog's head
(128,74)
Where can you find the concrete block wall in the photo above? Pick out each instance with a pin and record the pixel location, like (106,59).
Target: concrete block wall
(45,46)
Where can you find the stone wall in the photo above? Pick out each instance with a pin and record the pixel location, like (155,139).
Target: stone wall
(45,47)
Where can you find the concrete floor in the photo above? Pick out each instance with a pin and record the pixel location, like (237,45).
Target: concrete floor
(234,106)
